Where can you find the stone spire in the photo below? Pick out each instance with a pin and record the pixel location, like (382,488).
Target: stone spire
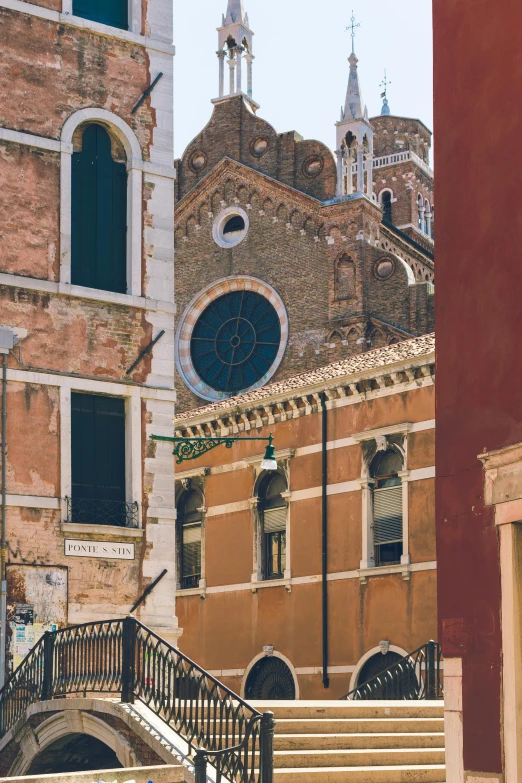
(235,45)
(354,108)
(354,140)
(235,13)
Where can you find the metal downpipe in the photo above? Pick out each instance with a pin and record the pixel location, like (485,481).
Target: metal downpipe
(324,535)
(3,548)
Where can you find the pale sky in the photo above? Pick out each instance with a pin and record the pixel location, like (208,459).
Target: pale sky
(301,69)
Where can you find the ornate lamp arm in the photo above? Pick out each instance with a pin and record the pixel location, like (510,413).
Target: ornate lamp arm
(191,448)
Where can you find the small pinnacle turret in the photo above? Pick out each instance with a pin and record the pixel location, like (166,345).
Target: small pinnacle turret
(235,41)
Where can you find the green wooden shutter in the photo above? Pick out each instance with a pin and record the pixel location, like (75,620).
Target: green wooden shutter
(111,12)
(98,447)
(98,215)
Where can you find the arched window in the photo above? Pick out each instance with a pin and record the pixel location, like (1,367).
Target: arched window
(420,210)
(270,678)
(427,218)
(189,536)
(111,12)
(345,278)
(273,509)
(387,507)
(98,214)
(387,205)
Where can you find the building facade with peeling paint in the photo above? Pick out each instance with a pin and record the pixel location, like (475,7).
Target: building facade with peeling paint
(87,289)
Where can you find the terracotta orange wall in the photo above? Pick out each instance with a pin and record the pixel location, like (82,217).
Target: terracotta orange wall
(226,630)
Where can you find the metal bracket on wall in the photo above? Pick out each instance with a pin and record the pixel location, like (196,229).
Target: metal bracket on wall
(146,350)
(146,93)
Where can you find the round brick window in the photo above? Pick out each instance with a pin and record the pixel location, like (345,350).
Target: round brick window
(198,161)
(384,268)
(313,166)
(230,227)
(259,146)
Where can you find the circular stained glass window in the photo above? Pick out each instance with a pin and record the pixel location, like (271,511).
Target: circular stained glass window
(235,341)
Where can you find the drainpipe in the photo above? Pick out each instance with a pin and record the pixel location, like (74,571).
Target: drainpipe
(7,342)
(324,536)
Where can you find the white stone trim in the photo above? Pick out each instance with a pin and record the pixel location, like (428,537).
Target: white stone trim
(259,657)
(67,18)
(340,488)
(453,728)
(113,388)
(219,223)
(101,530)
(339,576)
(133,153)
(390,429)
(386,190)
(80,292)
(33,501)
(366,657)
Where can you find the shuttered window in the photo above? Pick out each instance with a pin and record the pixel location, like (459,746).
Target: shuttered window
(111,12)
(190,528)
(275,512)
(98,215)
(98,458)
(387,515)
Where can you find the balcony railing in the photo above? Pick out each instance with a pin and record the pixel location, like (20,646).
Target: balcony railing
(102,512)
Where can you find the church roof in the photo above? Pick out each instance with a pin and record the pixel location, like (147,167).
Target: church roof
(378,361)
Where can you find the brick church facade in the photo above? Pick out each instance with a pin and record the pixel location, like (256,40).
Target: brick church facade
(305,300)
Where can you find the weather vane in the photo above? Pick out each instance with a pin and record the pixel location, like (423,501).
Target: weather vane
(353,27)
(384,84)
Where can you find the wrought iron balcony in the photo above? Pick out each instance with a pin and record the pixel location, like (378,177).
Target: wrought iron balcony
(102,512)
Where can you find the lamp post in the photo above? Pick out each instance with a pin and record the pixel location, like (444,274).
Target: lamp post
(191,448)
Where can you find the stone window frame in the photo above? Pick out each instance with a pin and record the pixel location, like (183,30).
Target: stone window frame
(370,654)
(133,448)
(135,17)
(283,458)
(195,308)
(185,481)
(397,431)
(350,259)
(270,652)
(134,161)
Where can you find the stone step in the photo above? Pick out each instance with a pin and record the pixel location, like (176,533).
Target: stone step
(388,757)
(365,740)
(431,773)
(358,725)
(352,709)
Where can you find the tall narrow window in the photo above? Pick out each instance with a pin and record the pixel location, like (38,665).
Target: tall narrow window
(420,211)
(274,514)
(387,206)
(189,526)
(99,214)
(387,507)
(345,278)
(111,12)
(98,461)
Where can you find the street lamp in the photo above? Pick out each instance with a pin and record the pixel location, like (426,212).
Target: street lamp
(191,448)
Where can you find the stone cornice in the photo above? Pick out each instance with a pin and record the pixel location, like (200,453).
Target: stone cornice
(285,404)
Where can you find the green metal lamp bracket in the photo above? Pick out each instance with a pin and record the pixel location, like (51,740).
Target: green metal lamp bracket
(191,448)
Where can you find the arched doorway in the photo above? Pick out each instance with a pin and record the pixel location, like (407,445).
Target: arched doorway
(270,678)
(74,753)
(400,684)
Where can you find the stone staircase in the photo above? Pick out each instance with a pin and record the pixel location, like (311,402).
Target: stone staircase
(358,742)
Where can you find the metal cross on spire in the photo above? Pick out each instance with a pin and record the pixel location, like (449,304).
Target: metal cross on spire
(353,27)
(384,84)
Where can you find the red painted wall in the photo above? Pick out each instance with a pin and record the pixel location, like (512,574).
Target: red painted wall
(478,143)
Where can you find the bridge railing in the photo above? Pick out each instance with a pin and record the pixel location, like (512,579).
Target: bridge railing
(415,676)
(125,657)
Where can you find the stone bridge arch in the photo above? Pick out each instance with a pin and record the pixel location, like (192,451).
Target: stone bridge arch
(106,721)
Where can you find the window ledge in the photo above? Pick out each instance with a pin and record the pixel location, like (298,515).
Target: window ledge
(263,583)
(190,591)
(102,530)
(67,289)
(398,568)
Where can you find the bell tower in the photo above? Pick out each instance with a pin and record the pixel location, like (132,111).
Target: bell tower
(354,147)
(234,44)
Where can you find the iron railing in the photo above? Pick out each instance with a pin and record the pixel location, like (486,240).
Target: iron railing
(415,676)
(125,657)
(102,512)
